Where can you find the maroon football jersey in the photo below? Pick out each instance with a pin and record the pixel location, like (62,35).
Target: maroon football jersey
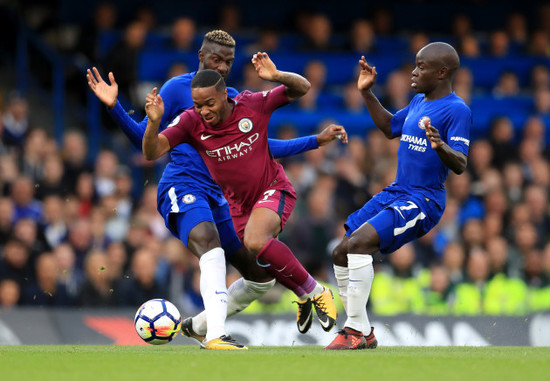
(236,151)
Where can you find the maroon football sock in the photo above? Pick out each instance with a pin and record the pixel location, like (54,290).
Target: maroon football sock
(284,267)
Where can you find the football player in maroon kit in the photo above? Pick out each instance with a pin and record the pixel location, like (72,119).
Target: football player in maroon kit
(231,136)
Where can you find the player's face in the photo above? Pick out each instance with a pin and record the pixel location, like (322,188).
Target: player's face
(425,74)
(211,104)
(217,57)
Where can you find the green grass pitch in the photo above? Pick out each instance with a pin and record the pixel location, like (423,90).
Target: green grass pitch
(172,362)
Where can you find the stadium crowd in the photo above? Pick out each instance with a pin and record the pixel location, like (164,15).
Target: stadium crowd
(74,233)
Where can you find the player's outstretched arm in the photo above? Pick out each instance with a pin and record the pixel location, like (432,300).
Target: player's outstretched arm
(380,116)
(154,144)
(108,94)
(332,132)
(456,161)
(283,148)
(296,85)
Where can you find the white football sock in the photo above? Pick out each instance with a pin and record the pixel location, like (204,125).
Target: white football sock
(214,291)
(342,277)
(241,293)
(319,288)
(361,274)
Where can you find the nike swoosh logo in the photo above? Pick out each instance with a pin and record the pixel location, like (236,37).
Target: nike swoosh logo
(259,202)
(303,326)
(204,137)
(221,292)
(281,269)
(325,324)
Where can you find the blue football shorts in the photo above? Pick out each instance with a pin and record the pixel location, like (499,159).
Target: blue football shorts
(397,217)
(183,208)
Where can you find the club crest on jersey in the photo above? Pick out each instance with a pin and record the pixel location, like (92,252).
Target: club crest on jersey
(245,125)
(422,121)
(188,199)
(174,122)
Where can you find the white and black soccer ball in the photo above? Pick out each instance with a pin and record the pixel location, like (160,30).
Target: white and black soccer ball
(157,321)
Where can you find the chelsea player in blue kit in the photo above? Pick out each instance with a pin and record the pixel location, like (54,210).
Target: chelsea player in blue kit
(434,137)
(193,206)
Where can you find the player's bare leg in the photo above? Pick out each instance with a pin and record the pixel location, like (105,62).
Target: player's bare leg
(357,332)
(263,226)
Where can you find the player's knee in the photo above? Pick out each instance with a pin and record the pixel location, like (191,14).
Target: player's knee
(359,244)
(254,244)
(339,254)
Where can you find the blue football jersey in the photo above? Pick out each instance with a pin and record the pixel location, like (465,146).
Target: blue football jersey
(419,168)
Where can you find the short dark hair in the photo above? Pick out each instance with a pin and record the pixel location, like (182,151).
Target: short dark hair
(219,37)
(208,78)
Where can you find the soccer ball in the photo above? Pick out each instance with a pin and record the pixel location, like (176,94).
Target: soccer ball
(157,321)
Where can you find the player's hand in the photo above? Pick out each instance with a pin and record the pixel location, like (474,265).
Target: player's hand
(367,75)
(154,106)
(265,68)
(432,134)
(106,93)
(331,133)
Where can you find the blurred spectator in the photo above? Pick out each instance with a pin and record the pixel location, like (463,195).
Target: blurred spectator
(53,182)
(353,100)
(69,275)
(516,28)
(473,235)
(438,297)
(183,35)
(80,239)
(32,235)
(316,74)
(539,44)
(7,211)
(122,60)
(26,206)
(97,290)
(251,81)
(499,44)
(459,188)
(469,295)
(75,152)
(542,101)
(230,18)
(15,262)
(15,120)
(469,47)
(536,198)
(85,194)
(382,21)
(507,85)
(397,90)
(34,154)
(103,22)
(362,39)
(502,142)
(500,260)
(117,258)
(480,159)
(104,174)
(46,290)
(417,41)
(540,77)
(493,225)
(55,227)
(10,293)
(461,26)
(141,285)
(513,181)
(397,289)
(176,69)
(464,84)
(147,211)
(146,16)
(319,35)
(268,41)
